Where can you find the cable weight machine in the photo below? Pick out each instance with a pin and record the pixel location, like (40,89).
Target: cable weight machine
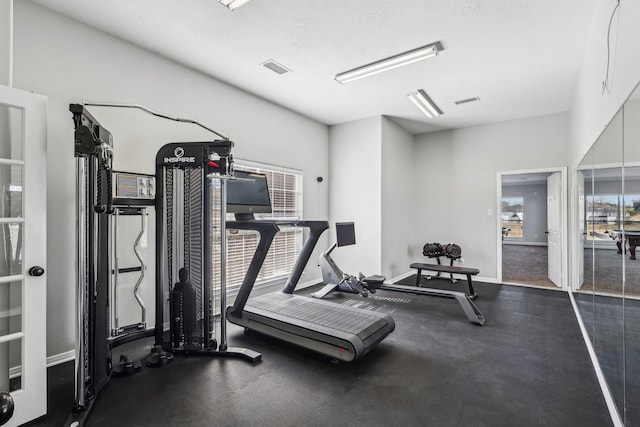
(191,250)
(101,200)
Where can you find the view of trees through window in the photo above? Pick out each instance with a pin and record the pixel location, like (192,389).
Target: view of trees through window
(512,217)
(605,213)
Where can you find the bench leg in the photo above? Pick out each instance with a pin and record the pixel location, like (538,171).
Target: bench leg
(472,292)
(453,280)
(418,277)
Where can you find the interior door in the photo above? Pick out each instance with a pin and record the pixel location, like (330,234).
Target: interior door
(23,252)
(554,221)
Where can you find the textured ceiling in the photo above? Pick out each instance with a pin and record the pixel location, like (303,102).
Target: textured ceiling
(521,57)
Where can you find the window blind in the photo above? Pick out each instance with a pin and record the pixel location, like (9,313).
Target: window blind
(285,190)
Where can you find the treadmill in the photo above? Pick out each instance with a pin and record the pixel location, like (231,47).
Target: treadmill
(338,331)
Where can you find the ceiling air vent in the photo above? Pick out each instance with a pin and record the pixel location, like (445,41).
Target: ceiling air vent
(275,67)
(466,101)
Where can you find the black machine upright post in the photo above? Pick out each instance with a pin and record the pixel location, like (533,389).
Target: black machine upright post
(223,263)
(93,149)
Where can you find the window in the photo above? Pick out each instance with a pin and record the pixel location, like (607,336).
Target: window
(632,211)
(604,213)
(285,190)
(512,217)
(601,215)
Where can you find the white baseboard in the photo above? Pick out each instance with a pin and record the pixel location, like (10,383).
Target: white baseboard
(57,359)
(519,243)
(608,397)
(402,276)
(16,371)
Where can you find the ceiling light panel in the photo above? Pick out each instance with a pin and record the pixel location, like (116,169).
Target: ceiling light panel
(390,63)
(233,4)
(424,103)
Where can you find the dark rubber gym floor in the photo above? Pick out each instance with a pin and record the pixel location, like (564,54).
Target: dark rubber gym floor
(527,366)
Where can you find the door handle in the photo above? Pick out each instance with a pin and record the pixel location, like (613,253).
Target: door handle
(546,232)
(6,407)
(36,271)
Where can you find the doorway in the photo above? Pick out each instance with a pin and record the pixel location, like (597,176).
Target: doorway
(531,227)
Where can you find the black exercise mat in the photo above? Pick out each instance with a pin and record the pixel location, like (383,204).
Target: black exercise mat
(527,366)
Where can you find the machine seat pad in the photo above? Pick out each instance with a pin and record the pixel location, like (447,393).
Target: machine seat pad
(376,279)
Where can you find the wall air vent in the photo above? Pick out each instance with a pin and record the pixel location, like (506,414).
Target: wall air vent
(275,67)
(466,101)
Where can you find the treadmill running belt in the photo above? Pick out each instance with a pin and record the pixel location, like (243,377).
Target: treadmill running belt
(331,316)
(339,331)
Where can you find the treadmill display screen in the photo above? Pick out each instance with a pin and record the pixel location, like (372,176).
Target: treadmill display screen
(345,233)
(249,195)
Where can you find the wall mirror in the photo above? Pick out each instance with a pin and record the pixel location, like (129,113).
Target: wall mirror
(584,292)
(631,206)
(608,231)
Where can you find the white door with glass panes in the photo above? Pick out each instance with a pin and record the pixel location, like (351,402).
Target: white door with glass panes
(23,252)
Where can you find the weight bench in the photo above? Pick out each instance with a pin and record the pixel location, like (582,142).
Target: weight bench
(447,269)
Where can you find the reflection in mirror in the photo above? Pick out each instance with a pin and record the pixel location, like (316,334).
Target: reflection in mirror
(585,295)
(606,225)
(632,267)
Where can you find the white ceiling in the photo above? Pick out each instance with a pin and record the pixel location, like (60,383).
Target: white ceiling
(521,57)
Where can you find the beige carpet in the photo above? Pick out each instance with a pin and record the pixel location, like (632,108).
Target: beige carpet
(526,265)
(602,269)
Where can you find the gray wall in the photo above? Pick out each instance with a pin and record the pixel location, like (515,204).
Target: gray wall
(355,180)
(458,173)
(436,187)
(398,198)
(371,183)
(535,210)
(68,62)
(6,7)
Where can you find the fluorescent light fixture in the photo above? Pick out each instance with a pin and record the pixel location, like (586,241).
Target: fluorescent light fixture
(233,4)
(390,63)
(424,103)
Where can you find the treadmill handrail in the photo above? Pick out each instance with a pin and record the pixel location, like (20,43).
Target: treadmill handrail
(267,230)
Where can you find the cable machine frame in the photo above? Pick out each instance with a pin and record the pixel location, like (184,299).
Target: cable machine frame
(93,150)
